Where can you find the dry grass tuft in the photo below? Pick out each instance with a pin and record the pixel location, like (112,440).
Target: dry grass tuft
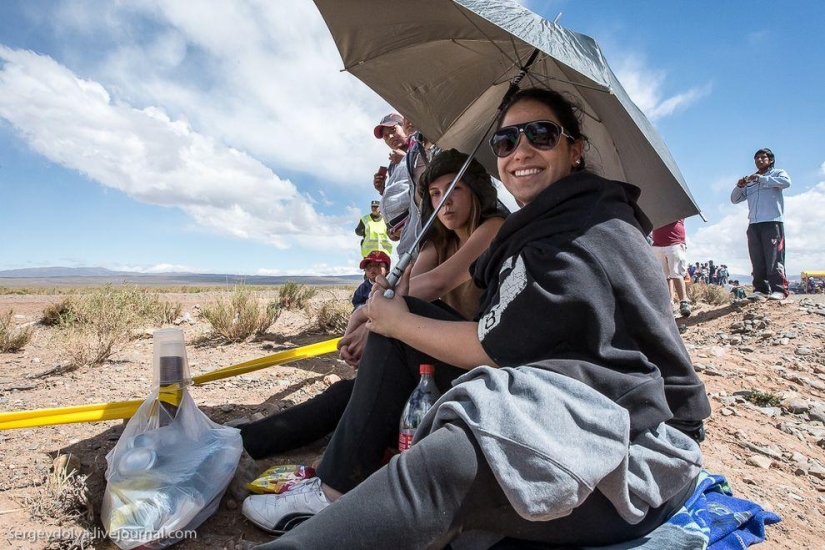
(104,321)
(59,314)
(710,294)
(332,315)
(240,315)
(64,500)
(764,399)
(13,339)
(96,325)
(292,296)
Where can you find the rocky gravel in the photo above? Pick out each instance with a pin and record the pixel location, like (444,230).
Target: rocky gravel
(763,365)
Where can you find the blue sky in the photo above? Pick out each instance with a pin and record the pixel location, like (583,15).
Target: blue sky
(222,136)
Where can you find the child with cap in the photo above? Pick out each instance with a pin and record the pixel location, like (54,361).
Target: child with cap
(374,264)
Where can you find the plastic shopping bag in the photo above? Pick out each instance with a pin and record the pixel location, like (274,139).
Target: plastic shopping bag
(170,468)
(163,481)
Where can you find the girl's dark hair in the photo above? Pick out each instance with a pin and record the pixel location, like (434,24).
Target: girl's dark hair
(485,198)
(566,110)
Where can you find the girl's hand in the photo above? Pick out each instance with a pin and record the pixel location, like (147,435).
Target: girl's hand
(402,288)
(353,348)
(384,313)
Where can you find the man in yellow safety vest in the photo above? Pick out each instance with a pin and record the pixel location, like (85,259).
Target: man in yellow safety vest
(373,231)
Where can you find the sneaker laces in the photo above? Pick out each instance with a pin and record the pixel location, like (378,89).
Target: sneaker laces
(307,490)
(310,485)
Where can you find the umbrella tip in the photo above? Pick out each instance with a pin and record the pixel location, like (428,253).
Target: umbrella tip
(556,20)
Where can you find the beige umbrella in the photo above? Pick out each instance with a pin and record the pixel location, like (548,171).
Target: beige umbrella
(446,64)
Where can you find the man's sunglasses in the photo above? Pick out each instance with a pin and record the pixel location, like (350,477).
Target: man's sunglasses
(542,134)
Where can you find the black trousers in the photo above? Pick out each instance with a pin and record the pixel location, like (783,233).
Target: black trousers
(766,247)
(387,374)
(315,418)
(442,487)
(298,425)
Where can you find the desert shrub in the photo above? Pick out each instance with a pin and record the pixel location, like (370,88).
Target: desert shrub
(240,315)
(97,324)
(104,320)
(59,314)
(293,296)
(332,316)
(166,312)
(92,344)
(13,339)
(763,399)
(148,306)
(710,294)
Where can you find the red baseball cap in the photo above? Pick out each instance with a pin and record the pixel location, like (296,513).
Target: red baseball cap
(392,119)
(375,256)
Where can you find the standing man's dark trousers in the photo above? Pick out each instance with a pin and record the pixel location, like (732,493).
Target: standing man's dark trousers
(766,246)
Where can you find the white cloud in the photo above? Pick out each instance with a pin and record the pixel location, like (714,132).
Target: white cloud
(822,169)
(725,241)
(152,158)
(263,77)
(645,87)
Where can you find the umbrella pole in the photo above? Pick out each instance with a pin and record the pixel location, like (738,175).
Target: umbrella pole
(406,258)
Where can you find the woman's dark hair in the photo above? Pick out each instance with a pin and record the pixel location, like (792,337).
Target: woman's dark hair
(767,152)
(566,110)
(485,198)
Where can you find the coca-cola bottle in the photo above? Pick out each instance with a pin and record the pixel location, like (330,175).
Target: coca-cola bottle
(421,400)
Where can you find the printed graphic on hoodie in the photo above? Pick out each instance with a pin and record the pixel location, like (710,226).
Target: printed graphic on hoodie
(511,286)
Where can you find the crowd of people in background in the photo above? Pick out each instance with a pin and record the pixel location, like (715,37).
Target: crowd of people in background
(766,241)
(709,273)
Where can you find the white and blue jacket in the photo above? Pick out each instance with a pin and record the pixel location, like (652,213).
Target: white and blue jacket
(765,202)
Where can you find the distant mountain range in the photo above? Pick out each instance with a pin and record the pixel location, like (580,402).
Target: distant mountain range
(99,275)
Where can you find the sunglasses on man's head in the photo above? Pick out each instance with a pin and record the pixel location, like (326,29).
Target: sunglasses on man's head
(542,134)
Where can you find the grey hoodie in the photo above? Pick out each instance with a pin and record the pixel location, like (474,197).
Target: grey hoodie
(552,440)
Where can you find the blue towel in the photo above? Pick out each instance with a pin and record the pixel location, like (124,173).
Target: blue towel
(712,518)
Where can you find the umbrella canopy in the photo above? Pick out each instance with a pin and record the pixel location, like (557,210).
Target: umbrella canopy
(446,65)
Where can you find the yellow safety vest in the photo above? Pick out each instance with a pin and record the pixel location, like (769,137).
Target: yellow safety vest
(375,236)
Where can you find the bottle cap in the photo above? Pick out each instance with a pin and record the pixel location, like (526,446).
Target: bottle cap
(427,369)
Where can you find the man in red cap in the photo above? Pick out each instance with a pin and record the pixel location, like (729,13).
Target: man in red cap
(391,130)
(374,264)
(397,198)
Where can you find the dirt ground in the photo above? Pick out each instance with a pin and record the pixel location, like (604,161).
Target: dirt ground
(772,455)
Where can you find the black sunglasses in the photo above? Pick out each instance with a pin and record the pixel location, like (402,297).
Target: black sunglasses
(542,134)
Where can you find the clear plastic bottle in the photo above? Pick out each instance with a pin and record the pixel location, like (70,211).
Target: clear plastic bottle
(421,400)
(171,372)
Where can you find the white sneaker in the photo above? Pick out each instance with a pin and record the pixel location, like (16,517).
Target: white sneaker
(776,296)
(279,513)
(756,295)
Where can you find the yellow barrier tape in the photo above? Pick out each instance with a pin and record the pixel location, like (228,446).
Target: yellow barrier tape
(170,394)
(125,409)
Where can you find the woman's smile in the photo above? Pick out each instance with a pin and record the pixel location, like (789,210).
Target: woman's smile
(523,172)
